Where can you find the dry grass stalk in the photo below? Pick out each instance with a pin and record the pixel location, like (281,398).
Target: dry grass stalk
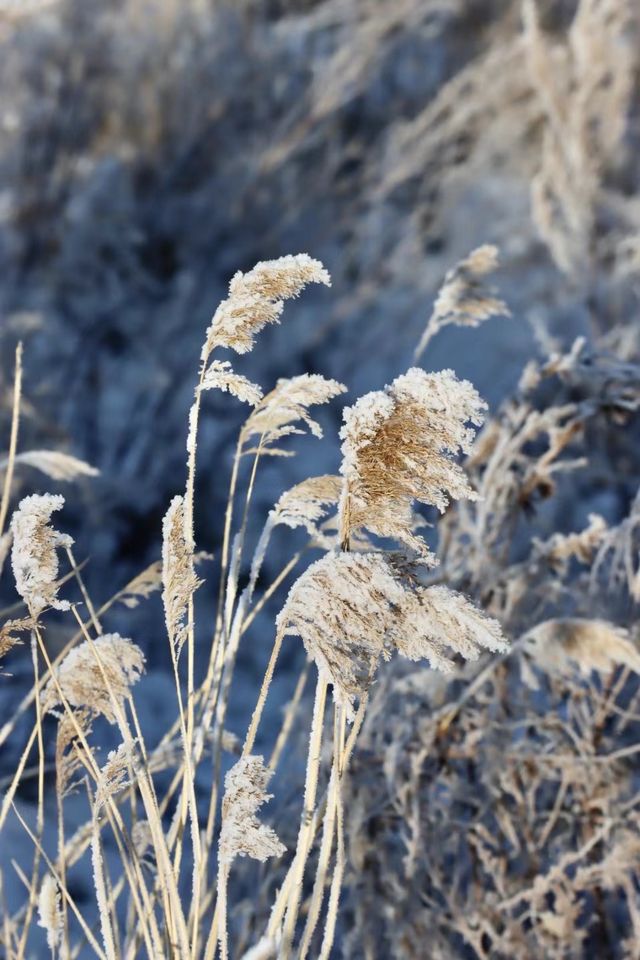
(13,438)
(141,837)
(255,300)
(6,540)
(265,949)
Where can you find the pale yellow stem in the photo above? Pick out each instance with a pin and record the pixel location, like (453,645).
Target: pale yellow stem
(13,439)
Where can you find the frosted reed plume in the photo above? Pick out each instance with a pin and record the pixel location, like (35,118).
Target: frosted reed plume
(285,410)
(576,642)
(179,579)
(49,912)
(304,505)
(256,299)
(465,299)
(353,610)
(34,555)
(308,503)
(115,773)
(72,727)
(398,446)
(54,463)
(242,834)
(97,675)
(221,376)
(9,633)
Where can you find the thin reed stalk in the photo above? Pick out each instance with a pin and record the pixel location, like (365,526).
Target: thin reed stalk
(287,906)
(13,439)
